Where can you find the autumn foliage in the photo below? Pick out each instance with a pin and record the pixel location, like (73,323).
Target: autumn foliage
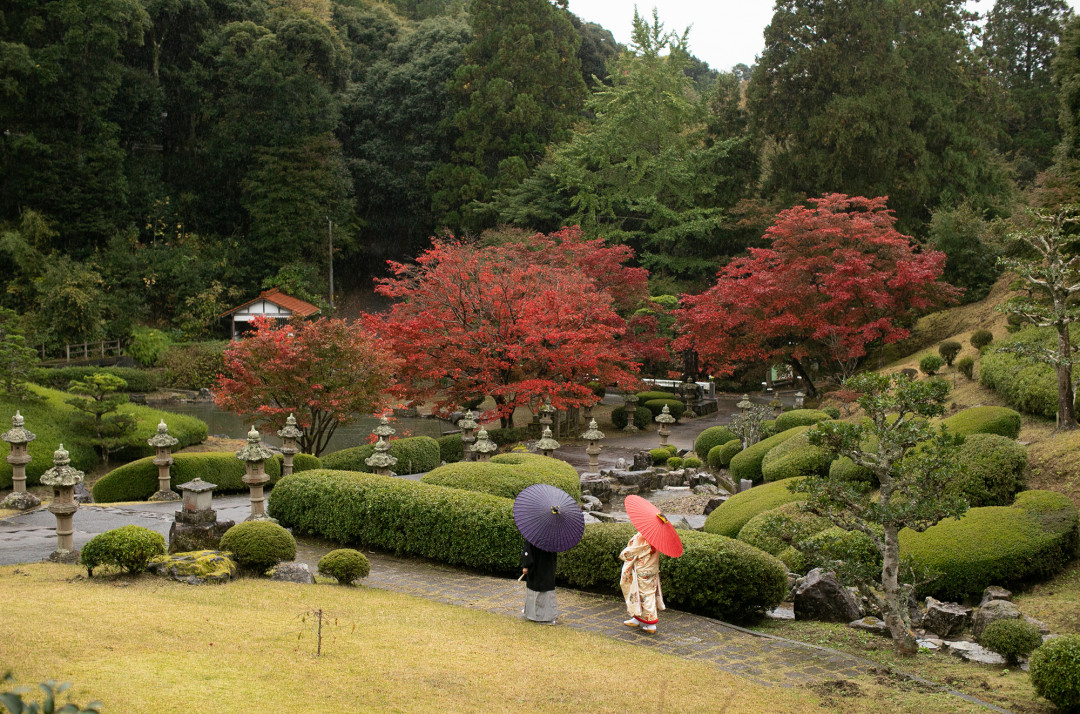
(518,321)
(836,278)
(325,372)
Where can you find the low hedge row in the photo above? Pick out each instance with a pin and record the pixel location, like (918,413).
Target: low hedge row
(451,448)
(795,457)
(712,437)
(717,576)
(137,481)
(747,463)
(675,407)
(1023,383)
(998,545)
(985,420)
(720,457)
(800,417)
(138,380)
(646,396)
(774,531)
(729,518)
(507,475)
(415,454)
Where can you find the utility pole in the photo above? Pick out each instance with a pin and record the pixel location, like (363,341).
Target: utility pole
(330,232)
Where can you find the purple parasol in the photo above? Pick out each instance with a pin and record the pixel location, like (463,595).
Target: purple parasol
(549,518)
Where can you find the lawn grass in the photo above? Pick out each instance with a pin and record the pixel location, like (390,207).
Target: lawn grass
(148,645)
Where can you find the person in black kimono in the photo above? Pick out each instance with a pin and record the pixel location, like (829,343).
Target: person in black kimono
(538,566)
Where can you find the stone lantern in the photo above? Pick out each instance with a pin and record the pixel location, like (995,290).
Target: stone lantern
(484,446)
(546,412)
(195,526)
(631,400)
(382,461)
(593,435)
(777,406)
(467,424)
(546,443)
(800,400)
(289,434)
(665,420)
(254,455)
(63,478)
(163,443)
(745,404)
(384,431)
(19,438)
(689,393)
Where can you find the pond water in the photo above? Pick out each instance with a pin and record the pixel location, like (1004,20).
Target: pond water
(223,423)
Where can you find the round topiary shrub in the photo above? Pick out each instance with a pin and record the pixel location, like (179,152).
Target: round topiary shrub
(729,518)
(129,548)
(451,448)
(795,457)
(642,417)
(985,420)
(948,350)
(720,456)
(776,530)
(675,462)
(675,407)
(833,412)
(712,437)
(981,338)
(659,456)
(692,462)
(507,475)
(1055,672)
(259,545)
(799,417)
(414,454)
(1012,639)
(747,463)
(344,565)
(930,364)
(966,365)
(995,469)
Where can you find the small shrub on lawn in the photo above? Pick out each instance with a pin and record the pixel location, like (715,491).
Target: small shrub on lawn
(712,437)
(259,545)
(642,417)
(344,565)
(981,338)
(948,350)
(966,365)
(1012,639)
(1055,672)
(720,456)
(675,462)
(930,364)
(129,548)
(692,462)
(659,456)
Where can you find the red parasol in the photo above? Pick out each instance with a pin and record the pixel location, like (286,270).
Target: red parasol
(651,523)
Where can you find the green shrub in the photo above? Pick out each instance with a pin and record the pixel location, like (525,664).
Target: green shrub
(832,545)
(720,456)
(507,475)
(508,436)
(643,418)
(716,576)
(659,456)
(995,469)
(985,420)
(747,463)
(451,448)
(300,462)
(948,350)
(1012,639)
(259,545)
(147,344)
(795,457)
(998,545)
(129,548)
(712,437)
(136,380)
(675,407)
(1013,322)
(768,428)
(930,364)
(415,454)
(775,531)
(646,396)
(846,469)
(1026,385)
(729,518)
(675,462)
(344,565)
(1055,672)
(692,462)
(833,412)
(599,389)
(193,365)
(966,365)
(137,481)
(981,338)
(800,417)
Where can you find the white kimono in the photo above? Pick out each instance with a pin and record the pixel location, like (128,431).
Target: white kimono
(640,581)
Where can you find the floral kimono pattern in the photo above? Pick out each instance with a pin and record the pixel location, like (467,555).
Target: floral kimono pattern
(640,581)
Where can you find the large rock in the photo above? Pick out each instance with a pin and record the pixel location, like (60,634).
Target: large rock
(945,619)
(642,461)
(971,652)
(714,503)
(292,573)
(995,593)
(197,568)
(992,611)
(21,501)
(706,488)
(598,487)
(186,537)
(821,597)
(82,493)
(873,625)
(591,503)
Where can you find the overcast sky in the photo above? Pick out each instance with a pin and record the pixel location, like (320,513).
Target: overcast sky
(722,32)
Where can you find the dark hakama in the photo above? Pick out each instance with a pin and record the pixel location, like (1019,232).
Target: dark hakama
(539,584)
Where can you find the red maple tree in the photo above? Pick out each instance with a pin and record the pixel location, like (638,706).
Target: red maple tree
(518,321)
(325,372)
(836,277)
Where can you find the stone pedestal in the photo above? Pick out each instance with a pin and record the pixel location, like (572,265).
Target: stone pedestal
(467,425)
(195,525)
(19,438)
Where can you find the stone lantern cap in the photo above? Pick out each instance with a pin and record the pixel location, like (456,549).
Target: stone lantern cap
(745,403)
(61,474)
(381,459)
(17,434)
(197,485)
(384,430)
(664,417)
(547,408)
(799,394)
(547,443)
(483,444)
(290,430)
(254,450)
(468,421)
(161,439)
(593,433)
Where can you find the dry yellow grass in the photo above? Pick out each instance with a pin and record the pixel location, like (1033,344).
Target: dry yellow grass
(148,645)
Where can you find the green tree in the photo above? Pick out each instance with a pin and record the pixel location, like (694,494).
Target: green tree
(71,304)
(915,465)
(100,423)
(970,262)
(519,89)
(16,357)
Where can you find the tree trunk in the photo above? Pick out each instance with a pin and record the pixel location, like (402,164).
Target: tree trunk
(796,365)
(902,634)
(1066,414)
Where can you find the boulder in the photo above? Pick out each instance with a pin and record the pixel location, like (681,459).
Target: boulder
(1044,629)
(945,619)
(930,643)
(706,488)
(195,568)
(602,517)
(292,573)
(714,503)
(591,503)
(992,611)
(187,537)
(994,593)
(642,461)
(874,625)
(745,484)
(821,597)
(971,652)
(598,487)
(82,493)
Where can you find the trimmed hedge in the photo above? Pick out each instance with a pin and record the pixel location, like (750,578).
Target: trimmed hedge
(137,481)
(795,457)
(985,420)
(729,518)
(720,456)
(675,462)
(692,462)
(129,548)
(837,544)
(646,396)
(415,454)
(138,380)
(300,462)
(344,565)
(995,469)
(656,406)
(997,545)
(1055,672)
(451,448)
(1024,384)
(643,418)
(712,437)
(507,475)
(1012,639)
(844,468)
(259,545)
(716,576)
(800,417)
(747,463)
(774,531)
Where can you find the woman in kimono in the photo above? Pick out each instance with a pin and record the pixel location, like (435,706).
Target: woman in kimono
(538,566)
(640,584)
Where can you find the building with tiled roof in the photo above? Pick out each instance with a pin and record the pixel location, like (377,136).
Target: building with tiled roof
(271,303)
